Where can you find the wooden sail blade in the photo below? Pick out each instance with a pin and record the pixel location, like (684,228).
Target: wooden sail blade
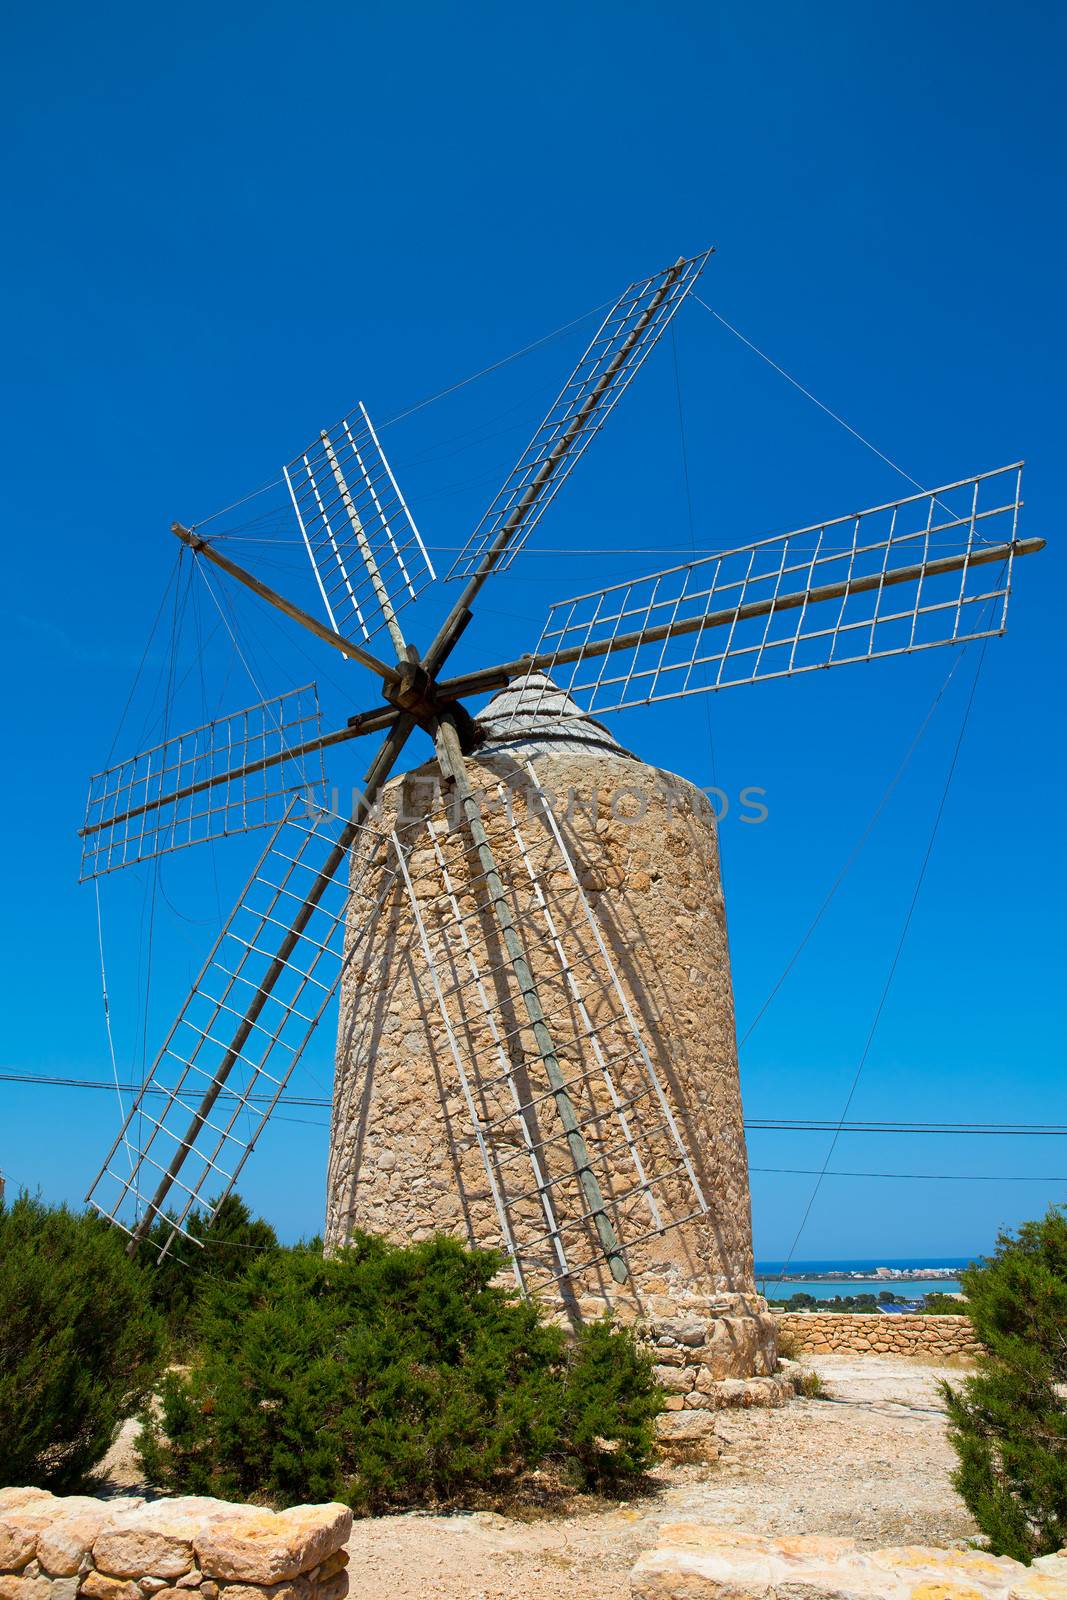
(242,1030)
(932,569)
(621,344)
(366,552)
(229,775)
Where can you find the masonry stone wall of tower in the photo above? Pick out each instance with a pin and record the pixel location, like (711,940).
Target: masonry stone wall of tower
(404,1158)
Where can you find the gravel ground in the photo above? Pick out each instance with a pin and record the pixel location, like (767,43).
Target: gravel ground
(870,1461)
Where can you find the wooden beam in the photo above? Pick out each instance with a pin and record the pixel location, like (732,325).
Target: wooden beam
(347,647)
(487,678)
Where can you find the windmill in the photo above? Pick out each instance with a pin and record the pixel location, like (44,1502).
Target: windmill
(583,1142)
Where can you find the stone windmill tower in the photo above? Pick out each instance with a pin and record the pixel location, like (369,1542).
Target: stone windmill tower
(403,1160)
(536,1044)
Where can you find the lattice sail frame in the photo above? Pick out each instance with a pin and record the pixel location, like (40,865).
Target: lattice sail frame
(859,587)
(365,550)
(307,844)
(226,776)
(638,1153)
(610,340)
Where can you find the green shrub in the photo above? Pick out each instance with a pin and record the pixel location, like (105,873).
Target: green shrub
(386,1377)
(1008,1422)
(227,1250)
(943,1305)
(79,1342)
(610,1401)
(809,1384)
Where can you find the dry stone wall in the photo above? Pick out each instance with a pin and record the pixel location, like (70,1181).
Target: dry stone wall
(860,1333)
(79,1548)
(695,1561)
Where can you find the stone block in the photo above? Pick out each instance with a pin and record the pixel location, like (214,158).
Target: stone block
(335,1588)
(271,1548)
(1039,1586)
(687,1333)
(13,1497)
(132,1552)
(98,1586)
(685,1427)
(157,1540)
(17,1586)
(64,1546)
(676,1380)
(698,1562)
(20,1528)
(331,1566)
(301,1588)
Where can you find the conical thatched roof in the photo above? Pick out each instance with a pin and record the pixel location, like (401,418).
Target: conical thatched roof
(533,716)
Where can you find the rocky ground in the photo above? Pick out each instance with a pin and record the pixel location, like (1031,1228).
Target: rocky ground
(870,1460)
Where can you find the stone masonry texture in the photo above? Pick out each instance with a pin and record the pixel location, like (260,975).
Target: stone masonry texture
(404,1160)
(819,1332)
(78,1548)
(699,1561)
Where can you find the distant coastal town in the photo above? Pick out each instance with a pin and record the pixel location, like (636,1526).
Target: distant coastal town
(883,1274)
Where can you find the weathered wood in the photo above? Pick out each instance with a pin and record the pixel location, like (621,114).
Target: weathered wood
(347,647)
(495,677)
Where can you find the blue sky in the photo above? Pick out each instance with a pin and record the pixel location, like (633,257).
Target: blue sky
(229,224)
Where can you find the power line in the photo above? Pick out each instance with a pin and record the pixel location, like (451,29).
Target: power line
(1015,1130)
(853,855)
(922,1177)
(894,963)
(808,1125)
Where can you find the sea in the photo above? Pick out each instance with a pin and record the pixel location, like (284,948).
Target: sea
(767,1273)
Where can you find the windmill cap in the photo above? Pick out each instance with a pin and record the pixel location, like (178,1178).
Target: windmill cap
(534,716)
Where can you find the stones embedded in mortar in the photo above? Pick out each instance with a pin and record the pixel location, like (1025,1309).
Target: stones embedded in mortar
(860,1333)
(696,1362)
(403,1157)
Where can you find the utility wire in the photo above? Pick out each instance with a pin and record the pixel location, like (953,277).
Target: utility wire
(107,1025)
(1015,1130)
(896,956)
(854,854)
(923,1177)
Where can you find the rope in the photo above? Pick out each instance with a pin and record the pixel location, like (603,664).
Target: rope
(496,365)
(854,854)
(420,405)
(107,1025)
(788,376)
(144,656)
(896,958)
(153,880)
(703,671)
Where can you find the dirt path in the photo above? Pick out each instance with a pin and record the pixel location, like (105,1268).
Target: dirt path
(871,1461)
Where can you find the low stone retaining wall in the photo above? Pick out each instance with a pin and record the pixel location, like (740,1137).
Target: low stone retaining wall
(695,1562)
(817,1332)
(60,1548)
(698,1359)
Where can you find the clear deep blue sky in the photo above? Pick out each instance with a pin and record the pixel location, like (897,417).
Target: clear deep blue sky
(227,224)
